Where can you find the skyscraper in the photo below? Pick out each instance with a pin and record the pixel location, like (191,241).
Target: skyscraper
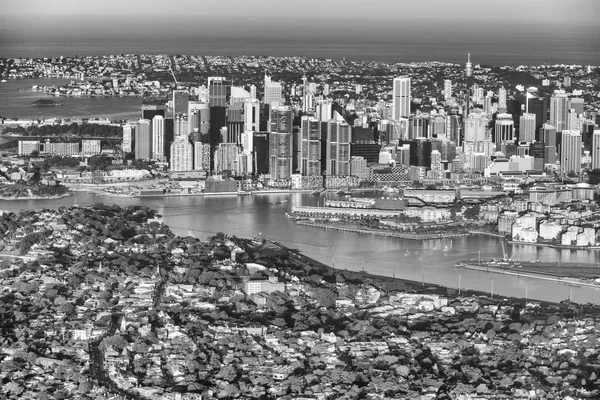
(504,128)
(447,89)
(596,149)
(158,138)
(182,154)
(219,91)
(573,121)
(252,115)
(527,128)
(401,100)
(201,156)
(281,120)
(339,136)
(559,107)
(149,111)
(418,127)
(310,146)
(273,91)
(548,134)
(324,110)
(180,126)
(502,107)
(128,131)
(475,127)
(199,119)
(143,140)
(226,157)
(469,78)
(280,155)
(180,102)
(570,152)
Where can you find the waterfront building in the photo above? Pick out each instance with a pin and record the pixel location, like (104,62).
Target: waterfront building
(570,152)
(180,102)
(91,147)
(280,155)
(273,92)
(226,157)
(527,128)
(358,167)
(201,156)
(143,140)
(219,91)
(401,98)
(559,108)
(339,136)
(158,138)
(310,146)
(182,154)
(127,143)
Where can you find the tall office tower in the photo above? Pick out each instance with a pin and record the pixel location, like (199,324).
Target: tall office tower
(324,110)
(446,148)
(143,140)
(239,95)
(219,91)
(447,89)
(504,129)
(418,127)
(548,134)
(149,111)
(570,152)
(182,154)
(559,107)
(260,143)
(469,78)
(273,91)
(252,115)
(438,126)
(310,146)
(401,100)
(527,128)
(253,92)
(475,127)
(453,127)
(201,156)
(596,149)
(226,157)
(567,81)
(247,141)
(539,107)
(198,119)
(339,136)
(281,120)
(577,103)
(128,131)
(436,161)
(180,126)
(573,121)
(158,138)
(358,167)
(280,155)
(235,122)
(403,154)
(502,107)
(180,102)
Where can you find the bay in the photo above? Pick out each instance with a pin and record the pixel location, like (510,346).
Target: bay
(429,261)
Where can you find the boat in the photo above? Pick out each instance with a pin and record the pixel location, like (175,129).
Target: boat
(3,81)
(284,201)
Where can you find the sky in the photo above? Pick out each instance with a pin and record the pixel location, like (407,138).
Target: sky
(341,21)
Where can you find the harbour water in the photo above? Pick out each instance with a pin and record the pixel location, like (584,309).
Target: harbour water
(16,97)
(430,261)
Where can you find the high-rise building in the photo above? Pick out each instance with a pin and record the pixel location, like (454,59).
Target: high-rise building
(475,127)
(158,138)
(418,127)
(436,161)
(453,127)
(324,110)
(260,143)
(252,115)
(573,121)
(339,136)
(570,152)
(235,122)
(199,119)
(226,157)
(539,107)
(310,146)
(90,147)
(180,102)
(469,78)
(447,89)
(527,128)
(201,156)
(559,107)
(596,149)
(577,104)
(143,140)
(401,100)
(128,131)
(253,92)
(502,106)
(548,134)
(504,128)
(219,91)
(358,167)
(149,111)
(273,91)
(180,125)
(182,154)
(281,120)
(280,155)
(438,126)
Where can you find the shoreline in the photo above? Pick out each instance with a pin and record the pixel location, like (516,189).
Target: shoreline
(553,246)
(37,197)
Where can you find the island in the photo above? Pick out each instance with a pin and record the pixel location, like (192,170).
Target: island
(46,103)
(105,301)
